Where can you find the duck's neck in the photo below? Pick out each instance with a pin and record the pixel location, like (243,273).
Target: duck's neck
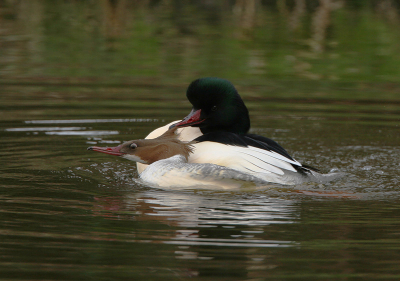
(239,125)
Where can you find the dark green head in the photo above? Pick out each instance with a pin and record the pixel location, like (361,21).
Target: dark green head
(217,106)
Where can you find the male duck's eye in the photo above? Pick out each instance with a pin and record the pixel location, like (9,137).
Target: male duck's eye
(133,145)
(214,108)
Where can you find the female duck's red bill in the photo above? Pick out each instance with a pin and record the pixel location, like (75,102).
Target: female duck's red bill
(192,119)
(107,150)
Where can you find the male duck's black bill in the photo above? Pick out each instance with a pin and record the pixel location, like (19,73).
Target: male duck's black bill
(191,120)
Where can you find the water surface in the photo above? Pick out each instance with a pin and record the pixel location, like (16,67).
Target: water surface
(70,214)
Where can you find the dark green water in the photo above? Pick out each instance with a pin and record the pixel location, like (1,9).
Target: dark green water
(66,84)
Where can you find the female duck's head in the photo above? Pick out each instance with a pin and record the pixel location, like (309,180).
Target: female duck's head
(148,151)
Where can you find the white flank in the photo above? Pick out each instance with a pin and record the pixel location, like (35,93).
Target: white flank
(176,172)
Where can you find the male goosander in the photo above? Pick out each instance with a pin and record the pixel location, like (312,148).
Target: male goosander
(219,123)
(167,160)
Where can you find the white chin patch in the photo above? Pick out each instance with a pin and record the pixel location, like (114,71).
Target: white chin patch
(132,158)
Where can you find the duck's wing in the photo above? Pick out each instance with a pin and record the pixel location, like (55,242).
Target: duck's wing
(267,144)
(248,153)
(272,145)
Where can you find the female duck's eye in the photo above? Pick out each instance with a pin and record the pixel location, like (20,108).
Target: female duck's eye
(133,145)
(214,108)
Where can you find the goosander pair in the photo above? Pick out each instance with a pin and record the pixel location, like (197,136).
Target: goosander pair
(215,135)
(167,160)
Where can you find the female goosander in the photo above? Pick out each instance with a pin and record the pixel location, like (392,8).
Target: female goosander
(219,123)
(167,160)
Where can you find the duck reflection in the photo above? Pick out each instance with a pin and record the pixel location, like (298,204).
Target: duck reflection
(240,230)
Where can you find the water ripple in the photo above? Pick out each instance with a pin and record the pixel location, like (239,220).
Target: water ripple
(75,121)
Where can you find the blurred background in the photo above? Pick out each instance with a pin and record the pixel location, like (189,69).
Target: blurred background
(290,44)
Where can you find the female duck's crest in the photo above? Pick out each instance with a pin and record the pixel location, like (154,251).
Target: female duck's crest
(217,106)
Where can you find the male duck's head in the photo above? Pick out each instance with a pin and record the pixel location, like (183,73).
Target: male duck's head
(217,106)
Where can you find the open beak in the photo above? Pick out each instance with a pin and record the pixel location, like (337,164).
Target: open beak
(107,150)
(192,119)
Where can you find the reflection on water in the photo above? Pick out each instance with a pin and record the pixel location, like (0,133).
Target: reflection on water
(86,133)
(197,210)
(88,121)
(202,213)
(39,129)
